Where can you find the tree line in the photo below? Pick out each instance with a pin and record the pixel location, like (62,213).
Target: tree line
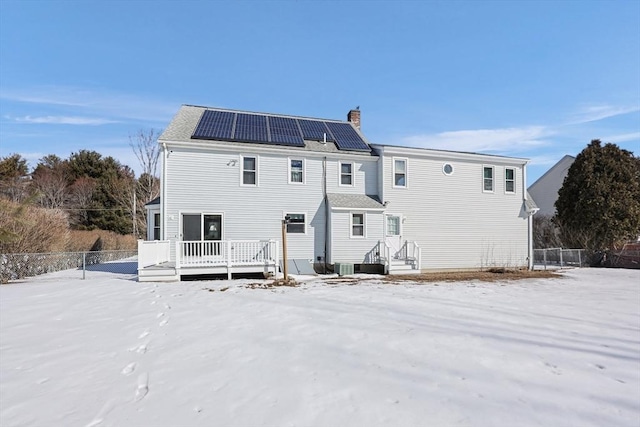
(91,190)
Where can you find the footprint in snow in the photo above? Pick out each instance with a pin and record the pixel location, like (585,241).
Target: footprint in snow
(167,306)
(143,387)
(142,349)
(164,322)
(159,315)
(128,370)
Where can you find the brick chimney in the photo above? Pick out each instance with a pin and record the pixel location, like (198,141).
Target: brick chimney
(354,117)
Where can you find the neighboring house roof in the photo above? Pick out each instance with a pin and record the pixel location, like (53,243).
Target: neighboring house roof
(184,124)
(354,201)
(155,201)
(545,190)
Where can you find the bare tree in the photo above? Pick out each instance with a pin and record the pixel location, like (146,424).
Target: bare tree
(145,147)
(51,188)
(81,195)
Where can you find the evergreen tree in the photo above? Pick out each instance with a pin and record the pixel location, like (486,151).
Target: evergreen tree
(598,206)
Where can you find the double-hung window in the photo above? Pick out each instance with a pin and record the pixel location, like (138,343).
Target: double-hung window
(249,170)
(346,173)
(400,173)
(296,223)
(296,171)
(357,225)
(509,180)
(487,179)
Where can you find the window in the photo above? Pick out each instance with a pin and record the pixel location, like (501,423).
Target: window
(296,171)
(509,180)
(400,173)
(346,173)
(487,184)
(357,225)
(393,225)
(296,223)
(249,171)
(447,169)
(156,226)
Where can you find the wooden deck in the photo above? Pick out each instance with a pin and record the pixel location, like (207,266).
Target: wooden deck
(206,257)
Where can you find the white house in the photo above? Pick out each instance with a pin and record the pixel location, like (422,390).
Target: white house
(545,190)
(229,178)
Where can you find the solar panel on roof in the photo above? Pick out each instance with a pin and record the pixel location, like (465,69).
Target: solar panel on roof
(346,137)
(251,128)
(214,125)
(314,130)
(285,131)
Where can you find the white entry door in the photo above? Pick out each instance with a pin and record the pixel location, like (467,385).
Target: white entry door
(393,233)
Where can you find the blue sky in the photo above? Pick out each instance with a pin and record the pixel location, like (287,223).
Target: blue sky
(526,79)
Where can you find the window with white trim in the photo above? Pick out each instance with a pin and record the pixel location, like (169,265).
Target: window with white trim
(357,225)
(296,171)
(509,180)
(400,173)
(249,170)
(346,173)
(156,226)
(297,223)
(487,179)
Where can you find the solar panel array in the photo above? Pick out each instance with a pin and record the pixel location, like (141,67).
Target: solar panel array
(315,130)
(346,136)
(277,130)
(215,125)
(285,130)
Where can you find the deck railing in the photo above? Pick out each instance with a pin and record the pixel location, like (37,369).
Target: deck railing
(153,252)
(230,253)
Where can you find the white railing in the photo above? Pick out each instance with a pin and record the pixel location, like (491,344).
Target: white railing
(153,252)
(414,253)
(384,251)
(229,253)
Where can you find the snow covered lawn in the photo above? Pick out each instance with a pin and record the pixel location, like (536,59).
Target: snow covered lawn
(110,351)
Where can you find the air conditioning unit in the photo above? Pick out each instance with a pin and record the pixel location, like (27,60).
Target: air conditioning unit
(343,269)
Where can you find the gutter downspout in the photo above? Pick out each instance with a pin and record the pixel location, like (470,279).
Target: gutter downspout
(163,193)
(529,218)
(326,212)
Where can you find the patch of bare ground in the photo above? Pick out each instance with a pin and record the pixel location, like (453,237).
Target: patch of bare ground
(491,275)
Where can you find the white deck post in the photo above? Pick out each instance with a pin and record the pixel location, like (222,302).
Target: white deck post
(229,263)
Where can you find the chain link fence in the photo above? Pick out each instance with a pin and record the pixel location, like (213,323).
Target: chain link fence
(73,264)
(559,258)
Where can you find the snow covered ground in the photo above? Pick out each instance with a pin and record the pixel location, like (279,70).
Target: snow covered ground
(110,351)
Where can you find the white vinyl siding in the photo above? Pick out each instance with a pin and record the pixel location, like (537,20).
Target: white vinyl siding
(361,250)
(454,222)
(206,181)
(249,170)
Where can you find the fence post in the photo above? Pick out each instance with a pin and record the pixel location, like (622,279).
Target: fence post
(561,263)
(544,256)
(579,257)
(84,265)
